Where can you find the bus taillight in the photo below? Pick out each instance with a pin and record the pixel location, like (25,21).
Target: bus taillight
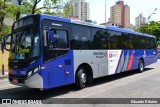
(11,71)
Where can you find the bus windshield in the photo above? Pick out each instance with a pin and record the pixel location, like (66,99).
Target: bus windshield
(25,44)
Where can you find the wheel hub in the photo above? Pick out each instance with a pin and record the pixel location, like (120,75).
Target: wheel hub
(83,78)
(141,66)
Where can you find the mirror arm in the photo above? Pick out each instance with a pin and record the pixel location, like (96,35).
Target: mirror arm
(7,49)
(5,42)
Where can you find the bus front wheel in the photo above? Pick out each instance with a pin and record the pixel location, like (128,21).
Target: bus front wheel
(81,78)
(140,66)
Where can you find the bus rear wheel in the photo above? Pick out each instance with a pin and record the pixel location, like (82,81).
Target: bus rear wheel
(81,78)
(140,66)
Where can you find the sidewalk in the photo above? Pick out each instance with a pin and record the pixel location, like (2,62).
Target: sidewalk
(4,76)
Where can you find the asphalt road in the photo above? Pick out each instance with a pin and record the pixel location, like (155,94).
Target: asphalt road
(125,85)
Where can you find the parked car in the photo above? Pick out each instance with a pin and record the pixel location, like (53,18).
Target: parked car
(158,54)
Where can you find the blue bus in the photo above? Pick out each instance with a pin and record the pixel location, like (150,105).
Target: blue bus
(48,51)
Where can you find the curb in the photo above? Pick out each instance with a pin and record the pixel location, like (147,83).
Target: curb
(4,76)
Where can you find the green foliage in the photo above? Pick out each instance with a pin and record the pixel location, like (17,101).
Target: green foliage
(48,5)
(152,28)
(59,8)
(52,7)
(12,10)
(22,9)
(68,9)
(51,4)
(6,10)
(55,13)
(4,31)
(26,8)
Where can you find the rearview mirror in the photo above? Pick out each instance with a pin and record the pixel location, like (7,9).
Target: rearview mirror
(51,35)
(52,38)
(6,42)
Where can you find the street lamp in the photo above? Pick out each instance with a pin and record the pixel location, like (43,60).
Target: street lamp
(105,11)
(149,17)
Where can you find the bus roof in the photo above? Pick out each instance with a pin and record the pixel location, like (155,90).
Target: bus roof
(114,28)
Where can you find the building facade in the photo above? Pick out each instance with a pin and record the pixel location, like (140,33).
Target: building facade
(81,9)
(120,14)
(140,20)
(9,21)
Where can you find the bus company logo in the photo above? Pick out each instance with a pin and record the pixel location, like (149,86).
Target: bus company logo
(112,55)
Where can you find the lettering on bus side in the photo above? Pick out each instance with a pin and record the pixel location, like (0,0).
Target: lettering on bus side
(100,54)
(56,24)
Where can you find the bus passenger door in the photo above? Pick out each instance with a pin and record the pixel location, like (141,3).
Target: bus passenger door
(57,57)
(103,63)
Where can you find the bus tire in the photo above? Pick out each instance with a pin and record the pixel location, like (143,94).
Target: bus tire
(140,66)
(81,78)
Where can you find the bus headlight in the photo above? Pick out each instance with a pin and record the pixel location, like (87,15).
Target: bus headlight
(29,73)
(35,70)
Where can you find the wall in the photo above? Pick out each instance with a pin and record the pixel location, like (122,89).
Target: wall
(6,55)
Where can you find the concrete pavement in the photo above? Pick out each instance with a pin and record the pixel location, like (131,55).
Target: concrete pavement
(4,76)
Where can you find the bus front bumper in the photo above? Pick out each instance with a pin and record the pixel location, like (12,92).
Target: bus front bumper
(35,81)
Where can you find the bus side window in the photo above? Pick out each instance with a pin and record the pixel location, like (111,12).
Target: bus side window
(61,39)
(125,37)
(77,42)
(98,39)
(81,37)
(153,43)
(55,38)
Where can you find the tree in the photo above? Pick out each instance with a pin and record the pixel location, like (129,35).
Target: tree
(3,12)
(19,11)
(14,11)
(64,9)
(152,28)
(6,10)
(47,5)
(4,31)
(68,9)
(31,7)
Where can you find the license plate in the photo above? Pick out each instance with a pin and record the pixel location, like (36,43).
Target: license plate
(15,80)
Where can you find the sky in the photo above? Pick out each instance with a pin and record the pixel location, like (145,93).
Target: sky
(97,9)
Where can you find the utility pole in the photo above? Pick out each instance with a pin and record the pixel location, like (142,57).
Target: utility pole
(105,11)
(2,49)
